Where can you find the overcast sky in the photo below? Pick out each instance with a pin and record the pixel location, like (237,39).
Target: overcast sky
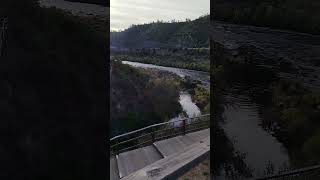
(124,13)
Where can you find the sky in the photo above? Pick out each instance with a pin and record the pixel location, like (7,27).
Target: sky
(124,13)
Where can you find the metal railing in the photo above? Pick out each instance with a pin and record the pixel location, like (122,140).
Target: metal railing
(3,36)
(308,173)
(148,135)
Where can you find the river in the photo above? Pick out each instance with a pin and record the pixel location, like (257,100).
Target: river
(243,124)
(188,106)
(290,55)
(203,77)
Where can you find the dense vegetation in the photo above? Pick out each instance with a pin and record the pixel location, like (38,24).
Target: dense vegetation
(53,84)
(141,97)
(298,15)
(164,34)
(299,112)
(201,96)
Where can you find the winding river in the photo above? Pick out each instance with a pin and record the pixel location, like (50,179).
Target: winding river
(188,106)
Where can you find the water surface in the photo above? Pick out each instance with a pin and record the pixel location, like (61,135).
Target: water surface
(243,125)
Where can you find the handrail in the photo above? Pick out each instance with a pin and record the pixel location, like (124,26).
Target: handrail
(154,125)
(291,173)
(156,132)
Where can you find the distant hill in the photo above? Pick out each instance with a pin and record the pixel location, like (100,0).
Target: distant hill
(99,2)
(164,34)
(297,15)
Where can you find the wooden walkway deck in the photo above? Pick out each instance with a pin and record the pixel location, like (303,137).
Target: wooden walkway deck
(126,165)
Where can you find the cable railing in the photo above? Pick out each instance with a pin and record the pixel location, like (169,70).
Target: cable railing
(307,173)
(3,35)
(148,135)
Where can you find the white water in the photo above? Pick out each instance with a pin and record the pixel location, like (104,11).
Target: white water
(188,106)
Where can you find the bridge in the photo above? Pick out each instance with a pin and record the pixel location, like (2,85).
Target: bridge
(160,151)
(3,36)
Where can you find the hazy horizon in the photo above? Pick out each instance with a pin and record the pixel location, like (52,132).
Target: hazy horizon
(124,13)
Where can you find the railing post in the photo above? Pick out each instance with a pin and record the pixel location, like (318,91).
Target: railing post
(153,135)
(116,147)
(184,126)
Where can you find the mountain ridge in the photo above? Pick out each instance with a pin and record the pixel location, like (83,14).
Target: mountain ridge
(160,34)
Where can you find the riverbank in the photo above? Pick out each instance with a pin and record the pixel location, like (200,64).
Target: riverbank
(192,62)
(298,109)
(201,97)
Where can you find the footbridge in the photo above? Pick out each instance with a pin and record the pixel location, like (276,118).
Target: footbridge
(160,151)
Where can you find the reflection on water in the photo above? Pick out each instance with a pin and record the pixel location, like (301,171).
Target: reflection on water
(243,121)
(243,125)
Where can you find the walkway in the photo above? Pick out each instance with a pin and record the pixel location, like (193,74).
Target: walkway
(162,158)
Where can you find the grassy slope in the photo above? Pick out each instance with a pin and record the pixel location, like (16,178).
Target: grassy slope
(141,97)
(53,84)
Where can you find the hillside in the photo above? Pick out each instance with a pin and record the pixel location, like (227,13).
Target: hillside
(99,2)
(296,15)
(164,34)
(52,87)
(139,98)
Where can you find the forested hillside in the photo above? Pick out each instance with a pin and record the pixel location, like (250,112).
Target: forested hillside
(297,15)
(164,34)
